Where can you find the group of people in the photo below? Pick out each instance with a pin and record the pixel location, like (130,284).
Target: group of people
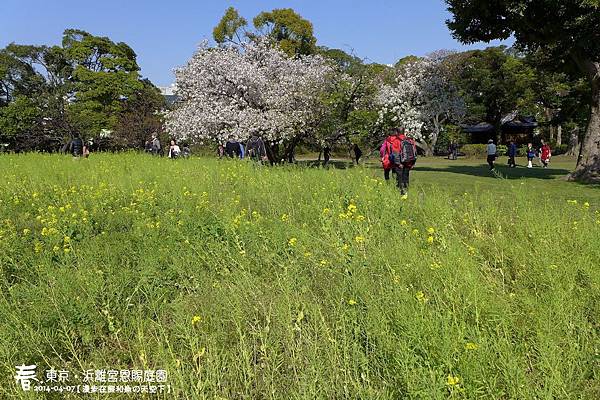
(398,155)
(153,146)
(254,149)
(544,152)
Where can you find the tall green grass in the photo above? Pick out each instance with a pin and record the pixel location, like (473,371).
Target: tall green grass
(249,282)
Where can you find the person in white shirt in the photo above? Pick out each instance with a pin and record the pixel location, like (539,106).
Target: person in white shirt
(174,150)
(491,153)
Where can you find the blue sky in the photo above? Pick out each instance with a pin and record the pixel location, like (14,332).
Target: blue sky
(165,34)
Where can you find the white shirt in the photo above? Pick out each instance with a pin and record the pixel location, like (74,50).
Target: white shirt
(174,151)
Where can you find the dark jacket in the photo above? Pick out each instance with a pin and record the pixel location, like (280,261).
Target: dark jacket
(512,150)
(232,149)
(255,148)
(77,147)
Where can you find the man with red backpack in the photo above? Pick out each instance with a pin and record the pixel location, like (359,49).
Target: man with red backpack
(398,154)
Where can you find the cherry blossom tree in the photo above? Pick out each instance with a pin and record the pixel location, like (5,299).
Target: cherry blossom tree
(422,100)
(235,91)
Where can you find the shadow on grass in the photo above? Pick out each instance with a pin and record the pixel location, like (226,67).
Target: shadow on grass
(504,171)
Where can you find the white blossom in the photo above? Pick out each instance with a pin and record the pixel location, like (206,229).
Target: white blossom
(240,90)
(422,100)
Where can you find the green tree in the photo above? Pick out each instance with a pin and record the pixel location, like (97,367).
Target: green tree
(566,29)
(19,117)
(139,117)
(105,74)
(493,84)
(293,33)
(228,28)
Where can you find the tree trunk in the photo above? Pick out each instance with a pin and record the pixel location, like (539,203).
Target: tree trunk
(573,143)
(426,148)
(559,135)
(588,163)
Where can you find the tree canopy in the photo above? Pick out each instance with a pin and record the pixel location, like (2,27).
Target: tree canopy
(563,29)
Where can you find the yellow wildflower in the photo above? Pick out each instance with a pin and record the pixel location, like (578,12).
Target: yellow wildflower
(471,346)
(431,231)
(586,204)
(421,296)
(67,250)
(360,217)
(285,217)
(323,262)
(292,241)
(403,222)
(26,231)
(352,302)
(359,239)
(415,231)
(196,319)
(430,240)
(452,380)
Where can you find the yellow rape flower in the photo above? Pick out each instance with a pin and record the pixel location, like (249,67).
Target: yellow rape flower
(352,302)
(431,231)
(452,380)
(430,240)
(196,319)
(471,346)
(403,222)
(292,242)
(285,217)
(421,296)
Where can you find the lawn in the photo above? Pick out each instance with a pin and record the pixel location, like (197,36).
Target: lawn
(249,282)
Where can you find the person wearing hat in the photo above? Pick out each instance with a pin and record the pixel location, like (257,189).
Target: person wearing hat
(491,153)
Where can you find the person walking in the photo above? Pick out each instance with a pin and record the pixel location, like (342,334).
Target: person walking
(386,164)
(255,149)
(357,153)
(491,154)
(399,154)
(545,154)
(76,146)
(512,153)
(454,150)
(326,155)
(232,148)
(530,155)
(174,150)
(156,147)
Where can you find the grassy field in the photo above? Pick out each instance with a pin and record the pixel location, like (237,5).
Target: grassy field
(247,282)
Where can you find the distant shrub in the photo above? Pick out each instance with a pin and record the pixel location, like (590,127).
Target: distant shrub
(474,150)
(558,150)
(501,150)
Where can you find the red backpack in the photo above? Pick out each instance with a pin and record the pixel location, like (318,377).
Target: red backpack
(401,150)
